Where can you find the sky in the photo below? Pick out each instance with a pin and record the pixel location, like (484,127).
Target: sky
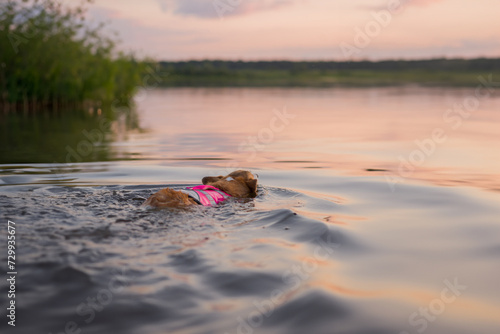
(303,29)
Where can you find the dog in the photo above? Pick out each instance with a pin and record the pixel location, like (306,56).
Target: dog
(215,189)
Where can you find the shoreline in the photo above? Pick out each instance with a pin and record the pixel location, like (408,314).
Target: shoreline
(350,79)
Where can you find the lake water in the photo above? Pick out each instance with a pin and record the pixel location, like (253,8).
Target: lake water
(378,212)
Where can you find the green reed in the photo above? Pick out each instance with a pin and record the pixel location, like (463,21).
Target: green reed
(52,57)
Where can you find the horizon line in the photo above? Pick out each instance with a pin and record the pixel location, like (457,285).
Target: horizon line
(329,60)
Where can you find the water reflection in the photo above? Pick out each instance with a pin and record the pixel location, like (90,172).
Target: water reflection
(360,131)
(372,131)
(70,136)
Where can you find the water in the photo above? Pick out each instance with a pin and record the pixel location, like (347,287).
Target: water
(342,238)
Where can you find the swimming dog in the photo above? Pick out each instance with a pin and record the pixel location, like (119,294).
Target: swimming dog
(215,189)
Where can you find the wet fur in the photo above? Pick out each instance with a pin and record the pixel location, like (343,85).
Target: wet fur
(240,184)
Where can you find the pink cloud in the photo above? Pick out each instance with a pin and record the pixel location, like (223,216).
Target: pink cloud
(423,2)
(221,8)
(256,6)
(383,4)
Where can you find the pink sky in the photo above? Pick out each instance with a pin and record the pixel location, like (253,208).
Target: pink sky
(302,29)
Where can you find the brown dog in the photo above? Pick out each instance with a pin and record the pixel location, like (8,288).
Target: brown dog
(215,189)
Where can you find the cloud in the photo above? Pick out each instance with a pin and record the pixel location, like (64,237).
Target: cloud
(220,8)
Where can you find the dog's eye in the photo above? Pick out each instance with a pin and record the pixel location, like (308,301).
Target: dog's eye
(229,178)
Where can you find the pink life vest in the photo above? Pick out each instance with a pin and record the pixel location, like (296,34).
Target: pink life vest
(206,195)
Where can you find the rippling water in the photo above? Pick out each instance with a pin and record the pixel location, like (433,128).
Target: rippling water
(337,241)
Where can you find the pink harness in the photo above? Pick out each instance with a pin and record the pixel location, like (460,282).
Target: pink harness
(206,195)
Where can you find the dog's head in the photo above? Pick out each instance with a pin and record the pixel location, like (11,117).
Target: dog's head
(240,183)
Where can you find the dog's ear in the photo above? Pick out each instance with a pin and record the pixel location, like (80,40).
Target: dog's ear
(207,179)
(252,184)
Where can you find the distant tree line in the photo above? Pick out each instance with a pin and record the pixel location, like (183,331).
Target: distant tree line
(225,67)
(50,57)
(431,72)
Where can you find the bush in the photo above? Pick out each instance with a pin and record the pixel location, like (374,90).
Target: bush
(51,56)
